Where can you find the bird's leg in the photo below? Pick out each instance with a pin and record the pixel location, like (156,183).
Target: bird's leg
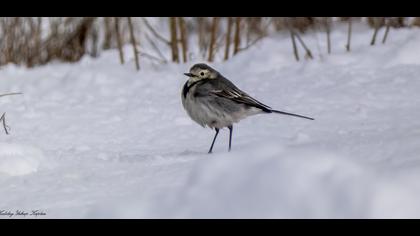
(230,136)
(214,139)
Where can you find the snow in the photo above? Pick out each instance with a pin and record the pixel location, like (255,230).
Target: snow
(19,159)
(96,139)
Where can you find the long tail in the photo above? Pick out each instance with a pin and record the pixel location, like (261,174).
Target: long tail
(290,114)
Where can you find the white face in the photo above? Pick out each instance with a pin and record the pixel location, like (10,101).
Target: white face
(201,71)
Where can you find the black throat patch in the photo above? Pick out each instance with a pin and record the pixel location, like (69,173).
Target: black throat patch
(187,87)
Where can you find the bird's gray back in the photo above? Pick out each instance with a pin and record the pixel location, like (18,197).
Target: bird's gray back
(208,109)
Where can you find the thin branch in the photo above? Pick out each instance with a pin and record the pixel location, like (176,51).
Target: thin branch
(155,47)
(256,40)
(219,43)
(156,34)
(7,94)
(237,37)
(213,35)
(388,26)
(227,44)
(287,23)
(183,39)
(328,29)
(174,39)
(349,35)
(3,119)
(375,32)
(251,43)
(295,49)
(308,52)
(202,44)
(133,42)
(147,55)
(119,40)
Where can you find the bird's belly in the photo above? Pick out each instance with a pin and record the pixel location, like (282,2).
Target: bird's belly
(207,114)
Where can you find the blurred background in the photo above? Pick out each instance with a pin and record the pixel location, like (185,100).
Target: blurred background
(34,41)
(97,128)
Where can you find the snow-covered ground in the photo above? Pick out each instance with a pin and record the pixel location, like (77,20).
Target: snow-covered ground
(96,139)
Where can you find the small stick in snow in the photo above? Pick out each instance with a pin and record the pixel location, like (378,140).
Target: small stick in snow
(295,50)
(3,119)
(308,52)
(348,36)
(388,25)
(237,35)
(119,40)
(376,22)
(213,36)
(7,94)
(183,34)
(134,43)
(227,44)
(328,29)
(174,39)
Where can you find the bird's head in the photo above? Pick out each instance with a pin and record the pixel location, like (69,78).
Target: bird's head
(202,71)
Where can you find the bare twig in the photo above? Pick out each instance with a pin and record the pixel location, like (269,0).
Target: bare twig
(308,52)
(293,35)
(8,94)
(218,45)
(107,33)
(328,29)
(156,48)
(295,49)
(147,55)
(3,120)
(183,33)
(237,38)
(119,40)
(251,43)
(134,43)
(388,26)
(94,35)
(202,44)
(227,44)
(256,40)
(375,32)
(213,38)
(3,117)
(174,39)
(155,33)
(349,35)
(38,38)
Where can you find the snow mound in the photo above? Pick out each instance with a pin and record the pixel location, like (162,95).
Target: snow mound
(271,182)
(17,159)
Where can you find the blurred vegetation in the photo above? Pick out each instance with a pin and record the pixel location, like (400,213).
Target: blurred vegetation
(33,41)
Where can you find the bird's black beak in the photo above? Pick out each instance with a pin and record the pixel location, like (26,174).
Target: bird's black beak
(189,74)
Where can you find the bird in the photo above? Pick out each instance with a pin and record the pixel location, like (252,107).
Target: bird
(213,101)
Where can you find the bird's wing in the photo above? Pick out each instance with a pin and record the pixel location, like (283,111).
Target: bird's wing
(241,97)
(236,95)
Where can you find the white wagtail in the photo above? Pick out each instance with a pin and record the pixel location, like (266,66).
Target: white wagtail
(212,100)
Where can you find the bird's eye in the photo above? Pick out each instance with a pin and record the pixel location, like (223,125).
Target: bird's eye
(202,73)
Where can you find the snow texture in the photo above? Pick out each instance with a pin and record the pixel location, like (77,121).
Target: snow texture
(96,139)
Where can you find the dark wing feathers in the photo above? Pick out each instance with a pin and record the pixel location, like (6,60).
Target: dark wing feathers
(231,92)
